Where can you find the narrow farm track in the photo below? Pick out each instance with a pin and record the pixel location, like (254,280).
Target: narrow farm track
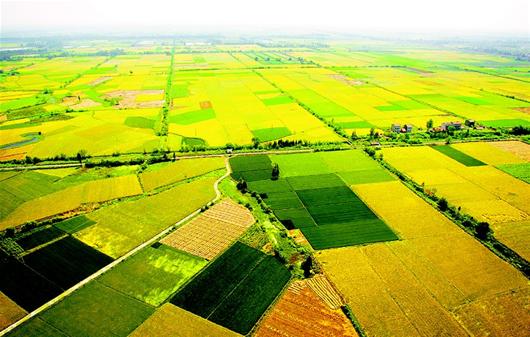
(119,260)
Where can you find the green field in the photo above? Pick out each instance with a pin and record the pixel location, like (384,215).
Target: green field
(459,156)
(236,289)
(521,171)
(313,195)
(153,274)
(96,310)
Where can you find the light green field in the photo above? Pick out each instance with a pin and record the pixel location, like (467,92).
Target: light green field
(153,274)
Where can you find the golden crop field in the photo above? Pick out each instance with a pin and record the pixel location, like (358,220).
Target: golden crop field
(72,198)
(484,192)
(420,286)
(173,321)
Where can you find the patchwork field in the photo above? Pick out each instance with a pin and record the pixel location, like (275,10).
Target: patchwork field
(420,286)
(203,110)
(356,252)
(120,227)
(313,195)
(236,289)
(485,191)
(212,231)
(301,312)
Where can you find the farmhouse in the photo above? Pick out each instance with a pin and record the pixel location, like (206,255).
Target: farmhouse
(470,123)
(397,128)
(445,126)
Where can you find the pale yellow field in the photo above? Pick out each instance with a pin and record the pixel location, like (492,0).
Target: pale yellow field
(170,320)
(519,149)
(484,192)
(421,285)
(72,198)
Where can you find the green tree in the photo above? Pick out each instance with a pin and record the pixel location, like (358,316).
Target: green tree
(307,266)
(430,124)
(275,171)
(482,230)
(442,204)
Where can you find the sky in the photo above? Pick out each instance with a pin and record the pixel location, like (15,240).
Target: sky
(464,17)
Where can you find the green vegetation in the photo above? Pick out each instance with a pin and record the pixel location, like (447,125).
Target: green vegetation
(520,171)
(153,274)
(96,310)
(316,200)
(266,135)
(74,224)
(458,155)
(235,289)
(39,237)
(66,262)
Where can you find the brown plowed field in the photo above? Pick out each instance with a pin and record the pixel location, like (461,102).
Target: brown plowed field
(301,312)
(212,231)
(9,311)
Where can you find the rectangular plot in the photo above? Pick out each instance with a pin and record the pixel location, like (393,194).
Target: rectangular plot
(458,155)
(206,291)
(235,289)
(67,261)
(75,224)
(255,175)
(314,181)
(338,213)
(348,234)
(269,186)
(366,176)
(283,200)
(39,238)
(324,196)
(249,300)
(249,163)
(269,134)
(297,217)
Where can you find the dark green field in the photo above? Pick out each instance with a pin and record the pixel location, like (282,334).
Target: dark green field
(40,237)
(15,280)
(458,155)
(67,261)
(322,205)
(236,289)
(75,224)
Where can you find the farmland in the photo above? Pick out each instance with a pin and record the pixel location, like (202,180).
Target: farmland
(213,231)
(227,291)
(172,320)
(301,312)
(318,201)
(485,192)
(188,186)
(429,286)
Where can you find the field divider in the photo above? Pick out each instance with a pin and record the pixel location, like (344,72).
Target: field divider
(113,264)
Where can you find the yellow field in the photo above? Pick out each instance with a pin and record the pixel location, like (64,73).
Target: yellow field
(519,149)
(170,320)
(238,110)
(420,285)
(72,198)
(481,191)
(166,174)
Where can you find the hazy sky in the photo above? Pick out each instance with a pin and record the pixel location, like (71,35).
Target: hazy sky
(351,16)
